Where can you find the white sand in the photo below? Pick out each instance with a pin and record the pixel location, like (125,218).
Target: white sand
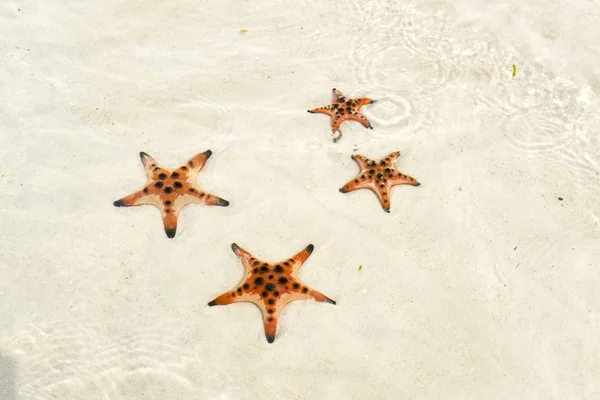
(480,284)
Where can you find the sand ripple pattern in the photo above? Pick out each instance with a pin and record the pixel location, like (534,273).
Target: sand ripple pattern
(83,100)
(73,360)
(3,51)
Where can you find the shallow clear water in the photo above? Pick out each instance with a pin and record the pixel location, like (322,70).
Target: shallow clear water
(480,284)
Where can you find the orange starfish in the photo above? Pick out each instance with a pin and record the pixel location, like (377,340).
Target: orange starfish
(380,177)
(270,286)
(344,108)
(171,190)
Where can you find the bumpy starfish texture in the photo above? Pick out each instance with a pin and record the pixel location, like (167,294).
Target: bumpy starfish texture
(344,108)
(380,177)
(270,286)
(171,190)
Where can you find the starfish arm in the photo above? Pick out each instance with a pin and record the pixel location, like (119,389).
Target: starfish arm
(271,312)
(362,119)
(223,300)
(196,163)
(170,222)
(208,199)
(270,320)
(363,101)
(235,296)
(300,258)
(355,184)
(321,110)
(137,199)
(212,200)
(306,293)
(149,163)
(383,194)
(362,161)
(392,156)
(243,255)
(270,317)
(360,183)
(338,96)
(336,122)
(401,179)
(320,297)
(271,327)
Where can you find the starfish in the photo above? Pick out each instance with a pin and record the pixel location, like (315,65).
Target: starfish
(380,177)
(270,286)
(171,190)
(344,108)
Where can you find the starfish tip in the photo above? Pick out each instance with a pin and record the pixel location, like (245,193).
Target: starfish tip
(234,247)
(143,155)
(212,303)
(418,184)
(332,302)
(310,247)
(342,190)
(270,338)
(208,153)
(170,232)
(119,203)
(387,210)
(222,203)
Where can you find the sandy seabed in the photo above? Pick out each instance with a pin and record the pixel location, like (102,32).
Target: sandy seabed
(480,284)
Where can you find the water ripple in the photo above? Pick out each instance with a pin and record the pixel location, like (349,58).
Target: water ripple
(215,114)
(400,113)
(65,358)
(538,118)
